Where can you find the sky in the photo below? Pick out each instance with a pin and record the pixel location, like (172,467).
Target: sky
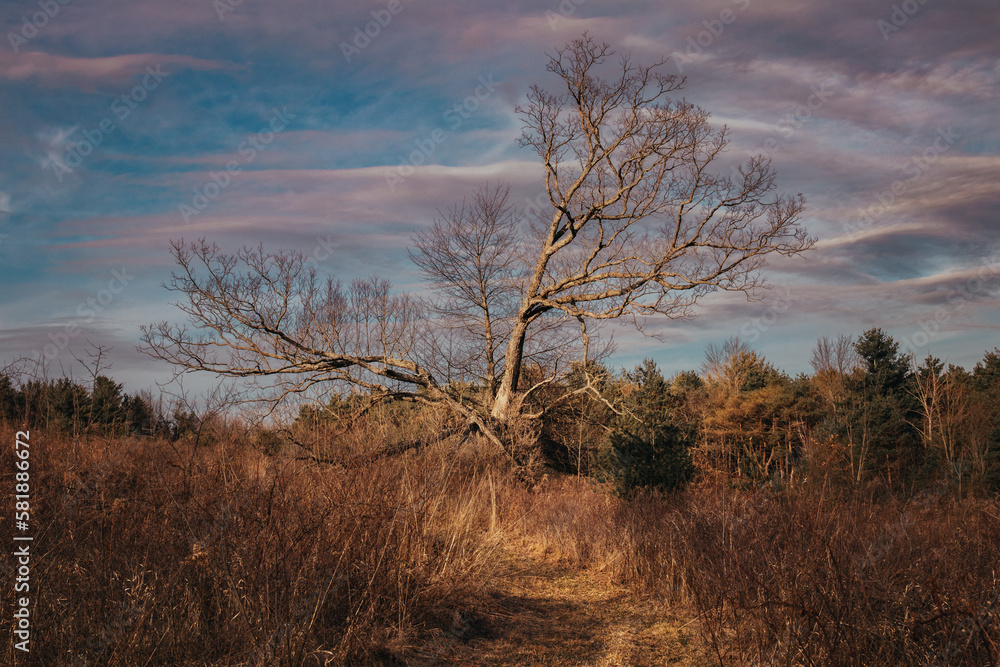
(341,129)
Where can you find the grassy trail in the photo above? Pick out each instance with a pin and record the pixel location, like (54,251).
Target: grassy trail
(555,614)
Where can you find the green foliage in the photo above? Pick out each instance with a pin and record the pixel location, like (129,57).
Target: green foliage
(138,417)
(886,369)
(761,374)
(11,400)
(686,381)
(649,456)
(269,442)
(986,374)
(650,397)
(106,401)
(572,431)
(649,449)
(594,373)
(336,412)
(986,385)
(186,425)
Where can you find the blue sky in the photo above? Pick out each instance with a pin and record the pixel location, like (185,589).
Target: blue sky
(118,122)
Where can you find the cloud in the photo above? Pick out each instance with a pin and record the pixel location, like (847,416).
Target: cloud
(88,73)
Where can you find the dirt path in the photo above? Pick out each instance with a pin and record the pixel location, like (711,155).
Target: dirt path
(555,614)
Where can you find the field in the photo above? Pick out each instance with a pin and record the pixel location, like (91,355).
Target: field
(152,551)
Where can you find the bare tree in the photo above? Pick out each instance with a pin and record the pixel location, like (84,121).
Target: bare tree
(97,365)
(640,225)
(730,363)
(471,256)
(835,355)
(944,408)
(833,360)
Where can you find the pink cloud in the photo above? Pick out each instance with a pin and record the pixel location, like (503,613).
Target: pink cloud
(87,73)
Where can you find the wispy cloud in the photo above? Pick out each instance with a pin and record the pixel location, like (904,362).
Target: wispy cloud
(845,115)
(87,74)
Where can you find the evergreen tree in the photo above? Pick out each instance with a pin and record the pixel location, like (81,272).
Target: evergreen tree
(106,403)
(11,400)
(986,384)
(649,449)
(875,417)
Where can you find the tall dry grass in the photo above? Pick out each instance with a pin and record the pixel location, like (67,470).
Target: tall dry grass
(148,552)
(800,577)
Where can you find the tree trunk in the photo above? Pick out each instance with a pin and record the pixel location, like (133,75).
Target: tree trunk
(502,406)
(491,364)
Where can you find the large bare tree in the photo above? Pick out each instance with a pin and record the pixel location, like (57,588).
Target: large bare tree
(640,225)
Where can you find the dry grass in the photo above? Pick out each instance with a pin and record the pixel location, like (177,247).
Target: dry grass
(799,577)
(154,554)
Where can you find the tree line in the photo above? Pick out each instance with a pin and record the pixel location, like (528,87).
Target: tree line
(868,413)
(69,407)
